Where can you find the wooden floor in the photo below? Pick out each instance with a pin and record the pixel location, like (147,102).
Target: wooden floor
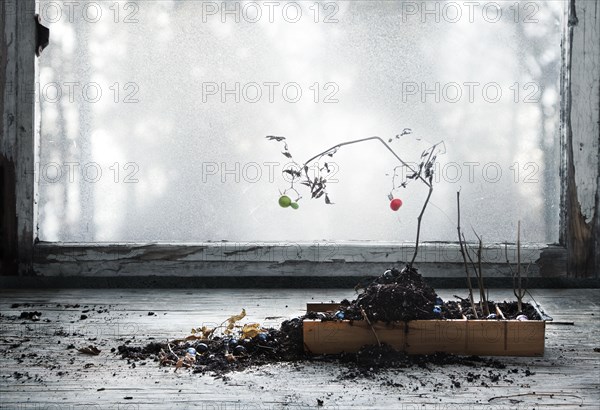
(38,371)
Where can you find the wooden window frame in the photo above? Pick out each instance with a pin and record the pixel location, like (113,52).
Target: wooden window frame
(22,254)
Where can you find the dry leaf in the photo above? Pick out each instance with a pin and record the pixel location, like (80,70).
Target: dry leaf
(204,332)
(232,321)
(207,332)
(251,330)
(179,364)
(236,318)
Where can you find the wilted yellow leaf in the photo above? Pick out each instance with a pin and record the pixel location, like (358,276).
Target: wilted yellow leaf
(236,318)
(206,331)
(251,330)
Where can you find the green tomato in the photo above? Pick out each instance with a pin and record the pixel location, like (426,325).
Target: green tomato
(295,205)
(284,201)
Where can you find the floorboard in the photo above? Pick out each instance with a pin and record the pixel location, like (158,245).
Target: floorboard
(39,372)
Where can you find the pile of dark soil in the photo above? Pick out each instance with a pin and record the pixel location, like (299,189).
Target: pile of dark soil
(394,296)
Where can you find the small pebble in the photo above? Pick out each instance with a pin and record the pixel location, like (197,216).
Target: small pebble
(191,351)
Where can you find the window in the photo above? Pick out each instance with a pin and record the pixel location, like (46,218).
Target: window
(153,118)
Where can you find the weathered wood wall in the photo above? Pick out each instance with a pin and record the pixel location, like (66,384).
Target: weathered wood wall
(17,99)
(581,138)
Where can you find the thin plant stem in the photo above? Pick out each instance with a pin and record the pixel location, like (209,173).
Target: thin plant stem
(483,290)
(480,270)
(462,251)
(335,147)
(521,293)
(481,295)
(419,225)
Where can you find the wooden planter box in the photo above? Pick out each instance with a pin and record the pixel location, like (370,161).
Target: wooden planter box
(461,337)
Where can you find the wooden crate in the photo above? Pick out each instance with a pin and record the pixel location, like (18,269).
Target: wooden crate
(464,337)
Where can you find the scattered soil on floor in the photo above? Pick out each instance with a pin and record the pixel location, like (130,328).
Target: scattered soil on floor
(394,296)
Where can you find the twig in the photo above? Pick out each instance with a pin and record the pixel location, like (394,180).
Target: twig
(171,350)
(369,323)
(481,285)
(462,251)
(520,293)
(476,274)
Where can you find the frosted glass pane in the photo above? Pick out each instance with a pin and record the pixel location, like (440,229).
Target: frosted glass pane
(154,117)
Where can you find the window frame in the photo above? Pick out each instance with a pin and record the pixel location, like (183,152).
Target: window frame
(21,147)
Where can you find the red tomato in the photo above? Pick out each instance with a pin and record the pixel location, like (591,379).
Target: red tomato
(396,204)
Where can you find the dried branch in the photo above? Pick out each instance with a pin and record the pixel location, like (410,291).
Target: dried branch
(172,352)
(370,325)
(336,147)
(479,284)
(483,289)
(480,272)
(520,293)
(518,290)
(462,252)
